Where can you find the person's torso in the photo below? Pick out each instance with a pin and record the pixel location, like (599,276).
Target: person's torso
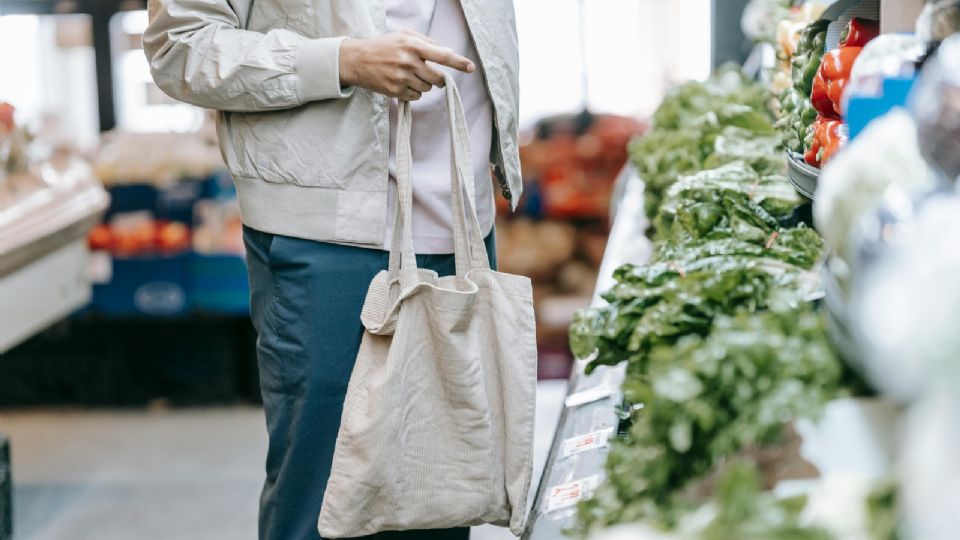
(443,21)
(342,145)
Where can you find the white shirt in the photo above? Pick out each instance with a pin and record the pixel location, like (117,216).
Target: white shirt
(443,21)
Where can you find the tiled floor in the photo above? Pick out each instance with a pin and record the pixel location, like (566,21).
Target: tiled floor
(191,474)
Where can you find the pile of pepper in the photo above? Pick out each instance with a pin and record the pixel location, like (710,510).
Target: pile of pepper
(810,110)
(796,111)
(826,96)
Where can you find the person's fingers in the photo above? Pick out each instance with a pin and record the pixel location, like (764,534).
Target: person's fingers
(418,84)
(410,95)
(430,75)
(418,35)
(446,57)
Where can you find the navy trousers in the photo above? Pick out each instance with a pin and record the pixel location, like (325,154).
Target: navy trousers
(305,304)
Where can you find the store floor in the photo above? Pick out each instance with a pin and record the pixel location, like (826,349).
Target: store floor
(181,474)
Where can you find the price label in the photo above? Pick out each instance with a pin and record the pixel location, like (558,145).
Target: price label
(604,383)
(601,391)
(583,443)
(569,494)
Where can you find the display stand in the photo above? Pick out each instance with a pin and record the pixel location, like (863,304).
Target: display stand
(575,464)
(44,272)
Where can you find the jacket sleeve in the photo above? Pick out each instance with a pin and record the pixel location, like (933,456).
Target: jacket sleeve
(199,53)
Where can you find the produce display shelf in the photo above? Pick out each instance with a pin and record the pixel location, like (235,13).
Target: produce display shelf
(71,203)
(838,322)
(575,464)
(802,176)
(44,273)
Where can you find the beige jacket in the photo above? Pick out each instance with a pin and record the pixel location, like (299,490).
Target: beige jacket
(309,157)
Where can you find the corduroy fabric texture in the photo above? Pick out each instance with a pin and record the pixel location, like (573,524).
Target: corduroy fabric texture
(437,426)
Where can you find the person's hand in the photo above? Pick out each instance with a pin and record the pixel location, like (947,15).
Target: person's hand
(395,64)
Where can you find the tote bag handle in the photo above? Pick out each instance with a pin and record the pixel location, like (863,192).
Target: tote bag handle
(469,250)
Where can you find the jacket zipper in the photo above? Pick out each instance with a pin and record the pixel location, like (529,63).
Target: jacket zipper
(499,171)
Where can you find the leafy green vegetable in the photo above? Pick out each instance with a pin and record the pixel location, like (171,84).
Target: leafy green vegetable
(719,252)
(661,303)
(706,398)
(745,512)
(762,153)
(801,247)
(721,346)
(733,190)
(689,122)
(882,512)
(727,85)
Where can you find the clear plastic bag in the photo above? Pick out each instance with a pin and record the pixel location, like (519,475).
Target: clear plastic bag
(938,20)
(935,103)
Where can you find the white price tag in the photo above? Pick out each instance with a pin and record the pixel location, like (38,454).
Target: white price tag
(598,392)
(583,443)
(569,494)
(603,384)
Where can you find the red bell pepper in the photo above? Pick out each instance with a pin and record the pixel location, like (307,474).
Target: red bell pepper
(859,32)
(818,97)
(832,147)
(826,141)
(831,79)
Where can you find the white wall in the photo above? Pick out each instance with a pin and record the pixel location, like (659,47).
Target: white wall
(46,81)
(20,78)
(635,49)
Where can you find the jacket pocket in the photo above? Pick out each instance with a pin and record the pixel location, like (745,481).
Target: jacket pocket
(268,146)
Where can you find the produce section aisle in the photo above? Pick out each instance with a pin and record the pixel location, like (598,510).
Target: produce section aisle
(575,464)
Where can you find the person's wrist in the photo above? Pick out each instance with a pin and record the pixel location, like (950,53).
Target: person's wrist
(348,50)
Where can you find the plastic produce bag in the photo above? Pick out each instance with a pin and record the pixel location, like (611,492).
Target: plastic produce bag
(939,20)
(886,56)
(935,103)
(907,308)
(885,154)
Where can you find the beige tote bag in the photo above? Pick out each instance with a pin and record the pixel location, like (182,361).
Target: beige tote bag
(437,426)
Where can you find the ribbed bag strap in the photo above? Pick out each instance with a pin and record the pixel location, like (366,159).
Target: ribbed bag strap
(403,260)
(469,249)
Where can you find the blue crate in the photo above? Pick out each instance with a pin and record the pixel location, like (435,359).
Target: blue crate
(156,285)
(131,198)
(218,284)
(219,185)
(176,201)
(172,203)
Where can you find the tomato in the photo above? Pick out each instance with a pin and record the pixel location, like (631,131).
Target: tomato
(100,238)
(135,239)
(173,237)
